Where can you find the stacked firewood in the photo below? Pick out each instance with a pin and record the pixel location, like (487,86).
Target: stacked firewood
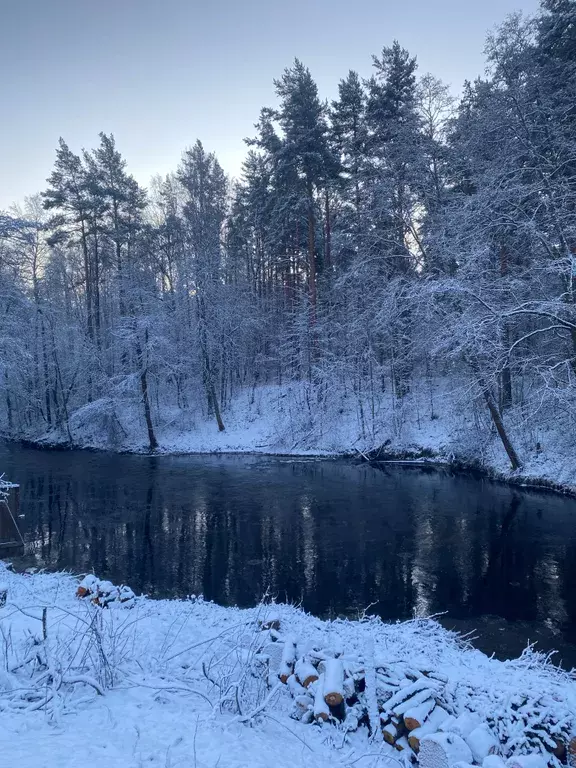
(104,593)
(417,711)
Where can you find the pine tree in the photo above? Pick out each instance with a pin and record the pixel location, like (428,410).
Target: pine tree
(122,203)
(204,211)
(305,148)
(394,142)
(350,136)
(68,195)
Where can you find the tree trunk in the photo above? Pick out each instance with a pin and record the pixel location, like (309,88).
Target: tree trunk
(207,369)
(506,375)
(311,251)
(88,283)
(328,251)
(45,371)
(499,424)
(96,289)
(153,443)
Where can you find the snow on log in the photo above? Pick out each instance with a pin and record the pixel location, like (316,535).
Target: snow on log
(572,752)
(333,682)
(413,701)
(448,724)
(433,722)
(390,732)
(305,672)
(321,711)
(493,761)
(465,723)
(370,690)
(353,717)
(526,761)
(416,716)
(415,693)
(302,704)
(402,744)
(270,622)
(559,749)
(88,586)
(349,687)
(295,688)
(442,750)
(482,742)
(288,659)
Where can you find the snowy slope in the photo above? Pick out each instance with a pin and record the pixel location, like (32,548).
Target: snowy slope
(174,677)
(438,418)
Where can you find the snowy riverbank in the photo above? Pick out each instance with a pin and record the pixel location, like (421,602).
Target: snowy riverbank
(446,424)
(190,683)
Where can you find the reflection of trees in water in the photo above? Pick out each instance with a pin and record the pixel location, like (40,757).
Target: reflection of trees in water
(333,536)
(567,571)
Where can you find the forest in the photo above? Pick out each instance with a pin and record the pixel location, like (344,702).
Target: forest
(396,260)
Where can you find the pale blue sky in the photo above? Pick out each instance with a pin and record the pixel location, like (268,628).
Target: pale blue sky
(161,73)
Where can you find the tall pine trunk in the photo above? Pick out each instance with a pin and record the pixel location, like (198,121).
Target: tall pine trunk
(311,251)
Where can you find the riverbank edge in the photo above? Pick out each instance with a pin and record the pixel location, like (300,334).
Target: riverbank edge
(384,454)
(157,656)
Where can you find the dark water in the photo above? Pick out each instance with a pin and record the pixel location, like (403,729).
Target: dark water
(332,535)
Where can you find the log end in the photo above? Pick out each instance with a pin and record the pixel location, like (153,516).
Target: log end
(572,751)
(333,699)
(309,680)
(411,723)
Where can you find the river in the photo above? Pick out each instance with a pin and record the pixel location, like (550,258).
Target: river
(331,535)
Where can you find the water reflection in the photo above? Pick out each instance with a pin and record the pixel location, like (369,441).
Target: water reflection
(331,535)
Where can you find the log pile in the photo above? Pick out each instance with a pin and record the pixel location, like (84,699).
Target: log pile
(418,714)
(104,593)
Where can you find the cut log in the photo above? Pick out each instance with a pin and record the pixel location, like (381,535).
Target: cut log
(402,744)
(333,682)
(526,761)
(436,718)
(493,761)
(353,717)
(442,750)
(288,659)
(465,723)
(559,750)
(321,710)
(415,717)
(572,752)
(349,687)
(413,702)
(271,622)
(390,733)
(305,672)
(302,704)
(88,586)
(447,725)
(295,688)
(411,695)
(482,742)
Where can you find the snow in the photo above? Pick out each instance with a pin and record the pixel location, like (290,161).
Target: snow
(179,688)
(439,420)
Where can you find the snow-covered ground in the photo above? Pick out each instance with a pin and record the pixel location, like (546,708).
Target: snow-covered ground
(189,684)
(443,418)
